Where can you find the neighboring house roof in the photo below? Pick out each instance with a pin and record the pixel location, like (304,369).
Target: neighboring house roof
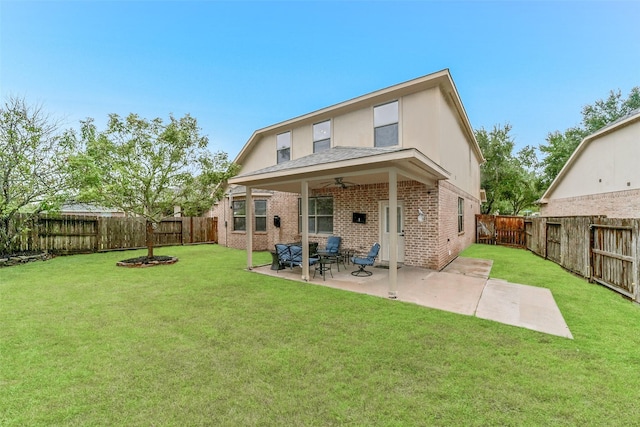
(86,207)
(441,78)
(630,118)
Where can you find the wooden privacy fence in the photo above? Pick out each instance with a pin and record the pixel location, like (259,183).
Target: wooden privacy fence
(500,230)
(603,250)
(76,234)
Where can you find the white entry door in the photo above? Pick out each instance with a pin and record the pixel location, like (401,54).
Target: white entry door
(385,230)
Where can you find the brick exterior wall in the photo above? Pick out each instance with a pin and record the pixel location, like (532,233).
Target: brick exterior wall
(420,250)
(618,204)
(432,243)
(285,205)
(450,242)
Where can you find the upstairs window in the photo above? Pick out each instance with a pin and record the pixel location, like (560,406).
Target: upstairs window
(283,147)
(321,136)
(385,123)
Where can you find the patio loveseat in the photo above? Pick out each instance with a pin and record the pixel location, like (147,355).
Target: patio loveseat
(290,255)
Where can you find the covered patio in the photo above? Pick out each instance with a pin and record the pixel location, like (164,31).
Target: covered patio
(463,287)
(361,167)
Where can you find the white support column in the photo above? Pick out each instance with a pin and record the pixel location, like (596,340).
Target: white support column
(393,233)
(249,227)
(304,191)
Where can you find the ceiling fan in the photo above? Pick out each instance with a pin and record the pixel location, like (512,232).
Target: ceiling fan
(339,182)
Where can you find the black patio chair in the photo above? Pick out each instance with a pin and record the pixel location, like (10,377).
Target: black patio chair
(369,260)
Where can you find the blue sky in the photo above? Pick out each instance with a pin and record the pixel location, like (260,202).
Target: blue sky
(240,66)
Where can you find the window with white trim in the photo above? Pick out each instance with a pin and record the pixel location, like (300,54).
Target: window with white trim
(385,125)
(260,215)
(320,215)
(240,215)
(283,147)
(322,136)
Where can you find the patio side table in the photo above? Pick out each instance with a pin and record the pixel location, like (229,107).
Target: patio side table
(275,262)
(324,265)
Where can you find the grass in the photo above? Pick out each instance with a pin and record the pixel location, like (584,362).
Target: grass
(203,342)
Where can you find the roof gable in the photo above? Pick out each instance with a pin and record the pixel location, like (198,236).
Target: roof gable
(440,79)
(627,120)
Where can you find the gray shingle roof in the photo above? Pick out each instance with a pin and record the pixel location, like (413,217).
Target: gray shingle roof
(335,154)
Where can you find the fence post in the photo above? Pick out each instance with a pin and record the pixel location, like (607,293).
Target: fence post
(634,253)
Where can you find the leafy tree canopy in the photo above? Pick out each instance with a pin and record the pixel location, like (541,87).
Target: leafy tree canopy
(147,167)
(509,179)
(33,168)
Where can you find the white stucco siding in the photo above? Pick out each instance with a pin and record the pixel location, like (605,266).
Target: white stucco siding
(301,141)
(420,122)
(353,129)
(456,153)
(263,154)
(607,164)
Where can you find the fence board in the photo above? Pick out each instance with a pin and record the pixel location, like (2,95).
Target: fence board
(613,256)
(554,242)
(500,230)
(603,250)
(77,233)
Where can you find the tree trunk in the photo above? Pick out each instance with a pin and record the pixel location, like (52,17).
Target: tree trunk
(149,239)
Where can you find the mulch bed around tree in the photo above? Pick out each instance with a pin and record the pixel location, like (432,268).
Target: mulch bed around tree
(145,261)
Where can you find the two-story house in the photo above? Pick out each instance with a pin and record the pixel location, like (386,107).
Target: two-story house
(399,166)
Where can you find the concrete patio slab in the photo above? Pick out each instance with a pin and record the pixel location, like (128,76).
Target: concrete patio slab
(522,305)
(446,291)
(462,287)
(470,267)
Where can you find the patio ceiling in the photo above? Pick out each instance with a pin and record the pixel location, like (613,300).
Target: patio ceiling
(355,165)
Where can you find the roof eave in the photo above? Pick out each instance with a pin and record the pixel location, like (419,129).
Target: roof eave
(396,158)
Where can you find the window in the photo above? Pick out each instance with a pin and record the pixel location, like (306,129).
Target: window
(283,146)
(240,215)
(321,136)
(261,215)
(385,123)
(320,215)
(460,215)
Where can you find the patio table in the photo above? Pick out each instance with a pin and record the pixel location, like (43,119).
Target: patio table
(323,265)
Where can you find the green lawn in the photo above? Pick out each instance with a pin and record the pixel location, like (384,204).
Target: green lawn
(203,342)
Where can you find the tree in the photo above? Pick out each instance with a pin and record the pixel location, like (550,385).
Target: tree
(496,147)
(521,188)
(560,146)
(33,168)
(509,181)
(146,167)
